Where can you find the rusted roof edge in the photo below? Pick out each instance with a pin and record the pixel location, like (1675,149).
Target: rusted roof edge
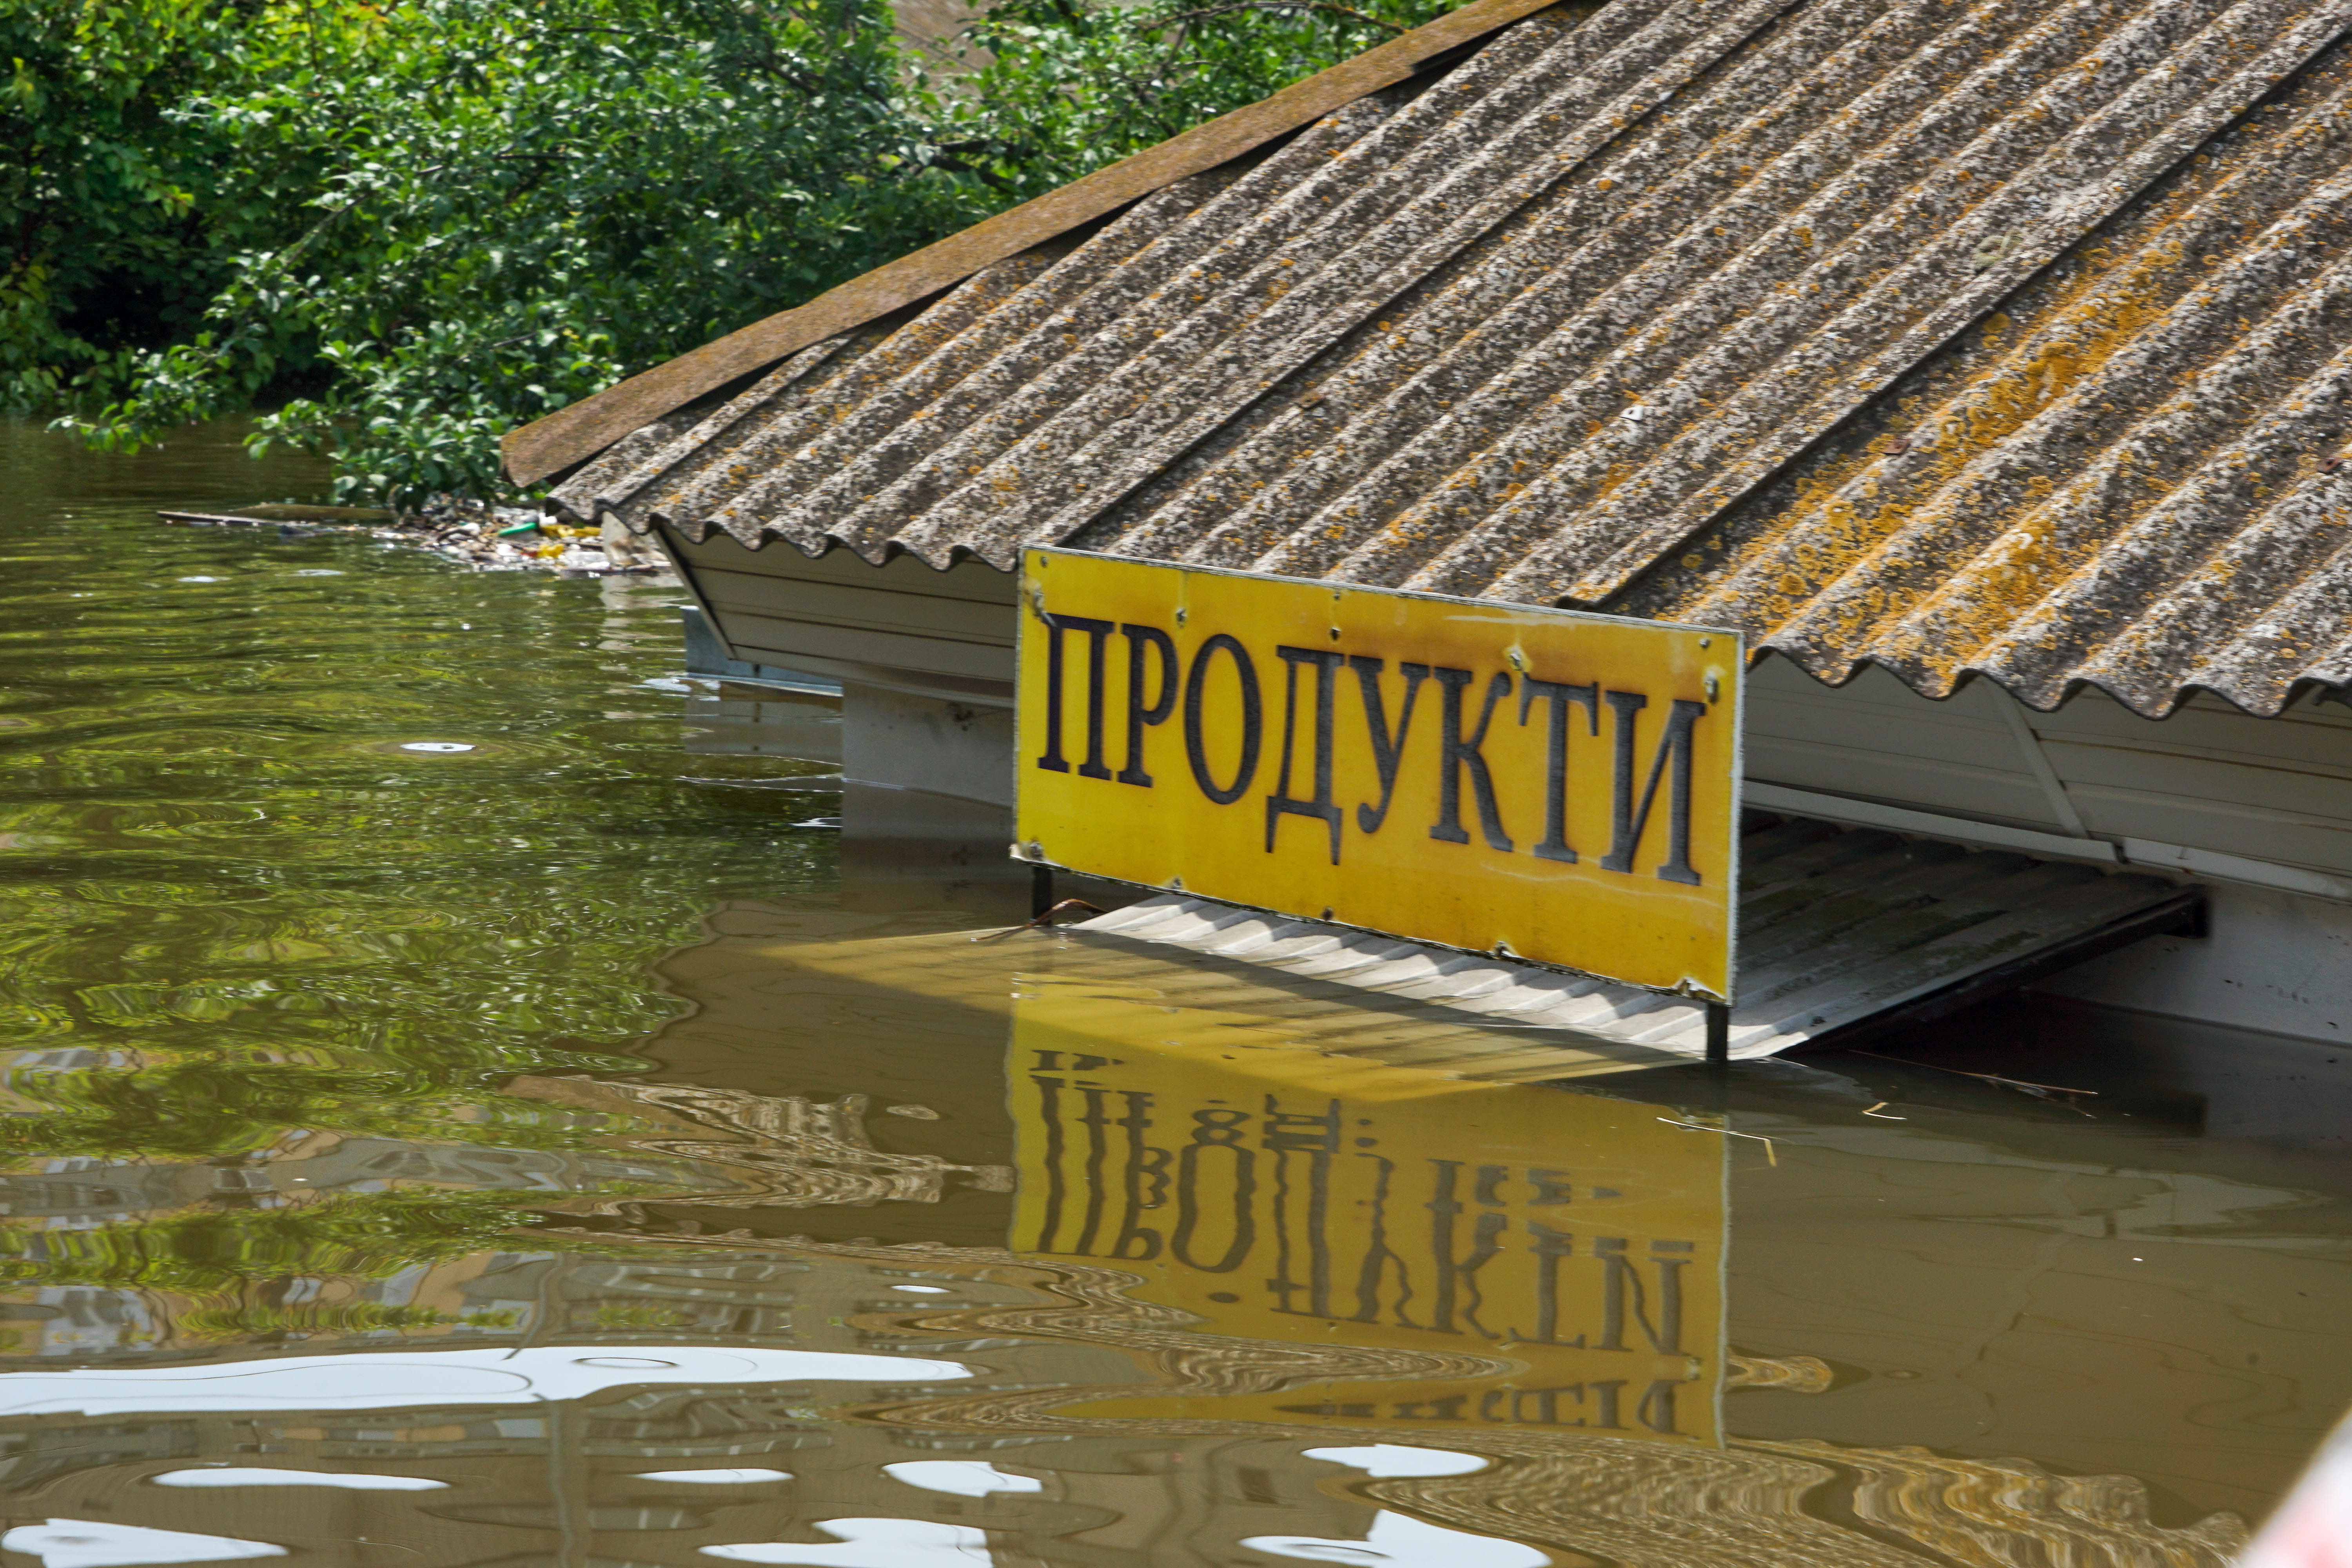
(569,435)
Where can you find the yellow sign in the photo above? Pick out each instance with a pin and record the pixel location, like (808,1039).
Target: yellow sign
(1564,787)
(1471,1255)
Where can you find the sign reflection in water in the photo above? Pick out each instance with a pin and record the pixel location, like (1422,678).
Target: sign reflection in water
(1538,1258)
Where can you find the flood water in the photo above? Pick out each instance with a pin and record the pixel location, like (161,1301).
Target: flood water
(546,1154)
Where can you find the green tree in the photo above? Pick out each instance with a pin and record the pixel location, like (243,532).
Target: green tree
(433,221)
(1063,88)
(518,205)
(120,216)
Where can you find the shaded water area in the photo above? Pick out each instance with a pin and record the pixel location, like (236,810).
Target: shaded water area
(548,1154)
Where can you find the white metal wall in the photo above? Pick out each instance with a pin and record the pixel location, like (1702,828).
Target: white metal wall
(903,625)
(2209,778)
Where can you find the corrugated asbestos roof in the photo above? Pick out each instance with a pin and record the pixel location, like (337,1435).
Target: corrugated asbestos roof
(2005,338)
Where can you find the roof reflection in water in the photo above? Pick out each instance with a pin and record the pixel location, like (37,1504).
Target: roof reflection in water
(1084,1377)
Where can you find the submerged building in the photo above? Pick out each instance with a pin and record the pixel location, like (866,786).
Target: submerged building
(1983,365)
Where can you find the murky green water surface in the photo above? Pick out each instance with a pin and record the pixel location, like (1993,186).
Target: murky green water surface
(545,1152)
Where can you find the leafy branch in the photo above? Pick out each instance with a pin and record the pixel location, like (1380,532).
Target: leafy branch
(411,228)
(1288,7)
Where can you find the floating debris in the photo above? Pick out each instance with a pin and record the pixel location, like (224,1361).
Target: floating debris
(825,782)
(474,533)
(1771,1153)
(1044,920)
(2038,1090)
(1793,1374)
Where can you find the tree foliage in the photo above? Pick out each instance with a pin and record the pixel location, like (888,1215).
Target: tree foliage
(406,227)
(116,222)
(1066,89)
(367,1236)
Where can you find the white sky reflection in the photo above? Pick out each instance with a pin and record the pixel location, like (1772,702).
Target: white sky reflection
(964,1477)
(82,1543)
(874,1543)
(388,1379)
(242,1475)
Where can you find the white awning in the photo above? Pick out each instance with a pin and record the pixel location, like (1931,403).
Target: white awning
(1838,926)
